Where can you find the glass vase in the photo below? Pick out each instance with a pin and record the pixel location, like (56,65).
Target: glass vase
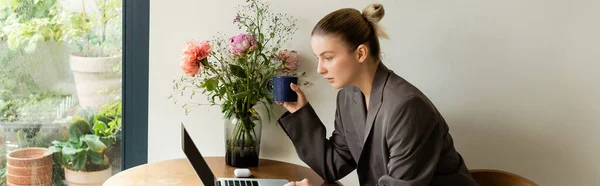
(242,140)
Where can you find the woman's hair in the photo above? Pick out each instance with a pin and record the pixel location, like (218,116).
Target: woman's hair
(355,28)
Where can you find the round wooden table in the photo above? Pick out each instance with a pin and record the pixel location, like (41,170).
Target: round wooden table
(179,172)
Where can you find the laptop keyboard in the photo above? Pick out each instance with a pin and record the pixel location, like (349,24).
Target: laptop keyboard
(238,183)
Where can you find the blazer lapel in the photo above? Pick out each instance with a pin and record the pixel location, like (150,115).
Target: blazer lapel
(359,115)
(376,99)
(374,109)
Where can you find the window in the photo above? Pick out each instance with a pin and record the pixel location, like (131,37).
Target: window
(65,86)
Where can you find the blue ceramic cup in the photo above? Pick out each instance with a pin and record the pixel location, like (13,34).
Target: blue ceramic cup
(281,90)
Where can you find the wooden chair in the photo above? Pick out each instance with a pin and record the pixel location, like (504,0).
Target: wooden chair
(489,177)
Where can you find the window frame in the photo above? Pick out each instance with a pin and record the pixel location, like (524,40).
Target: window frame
(136,18)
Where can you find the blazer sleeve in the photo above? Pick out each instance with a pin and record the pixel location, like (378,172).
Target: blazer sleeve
(330,158)
(414,140)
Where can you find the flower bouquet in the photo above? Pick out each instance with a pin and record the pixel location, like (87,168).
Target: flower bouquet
(234,72)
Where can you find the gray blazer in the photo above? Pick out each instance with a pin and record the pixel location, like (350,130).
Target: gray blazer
(401,141)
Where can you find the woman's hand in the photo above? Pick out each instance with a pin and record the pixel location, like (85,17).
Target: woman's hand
(304,182)
(295,106)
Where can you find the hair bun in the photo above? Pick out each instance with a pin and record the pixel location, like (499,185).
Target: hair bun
(374,12)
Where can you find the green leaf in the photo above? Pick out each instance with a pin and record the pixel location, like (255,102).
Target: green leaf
(118,123)
(60,143)
(224,107)
(77,129)
(240,95)
(61,160)
(94,143)
(260,46)
(99,127)
(102,118)
(113,125)
(237,71)
(70,151)
(79,143)
(96,157)
(86,113)
(211,84)
(107,141)
(79,161)
(52,150)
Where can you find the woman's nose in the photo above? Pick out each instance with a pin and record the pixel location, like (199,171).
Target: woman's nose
(320,68)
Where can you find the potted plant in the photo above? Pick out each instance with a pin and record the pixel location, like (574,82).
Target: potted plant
(91,136)
(29,166)
(97,35)
(234,72)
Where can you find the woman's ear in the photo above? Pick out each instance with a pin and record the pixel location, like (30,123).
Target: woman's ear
(361,53)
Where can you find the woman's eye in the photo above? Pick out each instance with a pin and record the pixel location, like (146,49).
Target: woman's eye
(328,58)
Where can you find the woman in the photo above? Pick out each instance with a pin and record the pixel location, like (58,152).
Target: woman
(385,128)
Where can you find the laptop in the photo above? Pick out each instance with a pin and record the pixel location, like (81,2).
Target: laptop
(207,176)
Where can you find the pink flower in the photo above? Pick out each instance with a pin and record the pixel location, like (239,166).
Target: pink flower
(290,59)
(241,43)
(193,53)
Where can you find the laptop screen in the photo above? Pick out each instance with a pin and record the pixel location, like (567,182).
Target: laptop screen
(196,159)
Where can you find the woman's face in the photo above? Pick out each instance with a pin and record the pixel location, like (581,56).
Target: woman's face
(337,63)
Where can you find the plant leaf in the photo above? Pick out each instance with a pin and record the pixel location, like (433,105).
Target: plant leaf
(240,95)
(102,118)
(94,143)
(112,125)
(53,149)
(77,129)
(86,113)
(79,161)
(70,151)
(96,157)
(237,71)
(99,128)
(211,84)
(107,141)
(61,160)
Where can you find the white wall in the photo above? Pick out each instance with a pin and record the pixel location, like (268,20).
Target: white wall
(516,80)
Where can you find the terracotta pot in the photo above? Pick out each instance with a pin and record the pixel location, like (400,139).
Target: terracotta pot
(29,166)
(28,171)
(95,81)
(78,178)
(47,184)
(44,179)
